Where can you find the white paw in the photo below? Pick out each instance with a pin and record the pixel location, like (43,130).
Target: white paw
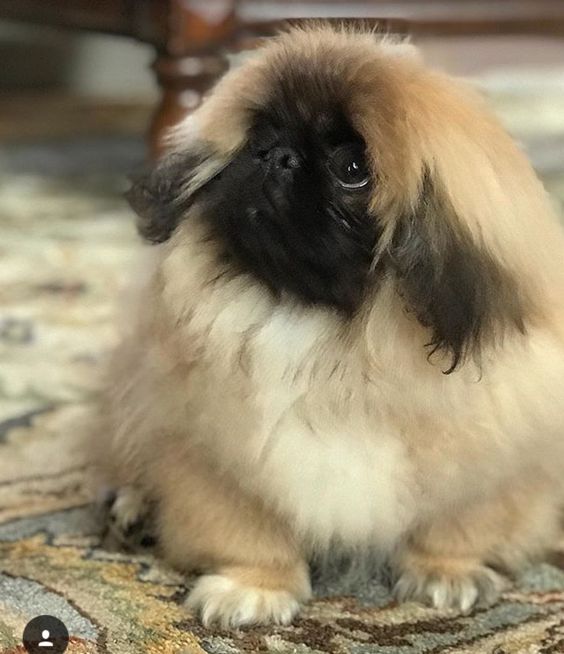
(221,600)
(480,587)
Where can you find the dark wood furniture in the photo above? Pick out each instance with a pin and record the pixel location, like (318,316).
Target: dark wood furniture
(191,36)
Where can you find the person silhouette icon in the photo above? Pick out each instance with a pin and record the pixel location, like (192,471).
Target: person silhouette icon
(45,635)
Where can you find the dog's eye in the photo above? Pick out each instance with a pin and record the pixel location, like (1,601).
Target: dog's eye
(348,165)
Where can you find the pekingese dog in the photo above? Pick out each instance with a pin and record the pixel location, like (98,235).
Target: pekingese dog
(351,335)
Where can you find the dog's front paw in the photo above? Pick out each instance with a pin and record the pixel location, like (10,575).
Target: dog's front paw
(448,584)
(230,603)
(128,519)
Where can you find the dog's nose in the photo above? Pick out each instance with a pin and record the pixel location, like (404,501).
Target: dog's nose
(284,158)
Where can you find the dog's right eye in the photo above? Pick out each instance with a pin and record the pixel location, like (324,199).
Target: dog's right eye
(348,165)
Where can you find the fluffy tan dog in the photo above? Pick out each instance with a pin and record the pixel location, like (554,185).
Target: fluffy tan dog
(351,335)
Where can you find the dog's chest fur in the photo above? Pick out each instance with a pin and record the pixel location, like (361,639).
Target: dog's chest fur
(294,419)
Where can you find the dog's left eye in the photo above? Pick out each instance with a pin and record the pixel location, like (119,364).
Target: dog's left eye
(348,165)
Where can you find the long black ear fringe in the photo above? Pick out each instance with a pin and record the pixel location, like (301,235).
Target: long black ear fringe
(453,287)
(157,196)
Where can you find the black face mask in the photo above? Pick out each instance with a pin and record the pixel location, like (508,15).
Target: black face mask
(292,209)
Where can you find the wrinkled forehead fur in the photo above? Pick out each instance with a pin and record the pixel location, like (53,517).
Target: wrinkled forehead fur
(412,119)
(466,228)
(417,124)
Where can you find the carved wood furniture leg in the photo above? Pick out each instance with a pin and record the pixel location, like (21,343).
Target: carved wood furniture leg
(183,81)
(191,60)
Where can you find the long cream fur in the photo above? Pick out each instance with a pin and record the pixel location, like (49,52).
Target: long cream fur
(267,431)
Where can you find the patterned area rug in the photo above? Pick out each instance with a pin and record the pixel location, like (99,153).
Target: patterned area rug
(66,240)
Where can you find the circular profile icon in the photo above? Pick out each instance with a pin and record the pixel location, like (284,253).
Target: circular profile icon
(45,634)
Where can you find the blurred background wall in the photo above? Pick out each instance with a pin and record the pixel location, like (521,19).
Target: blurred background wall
(96,65)
(44,58)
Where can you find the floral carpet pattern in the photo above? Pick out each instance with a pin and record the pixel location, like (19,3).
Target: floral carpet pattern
(66,242)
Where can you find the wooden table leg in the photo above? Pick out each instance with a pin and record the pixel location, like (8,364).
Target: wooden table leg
(183,82)
(191,61)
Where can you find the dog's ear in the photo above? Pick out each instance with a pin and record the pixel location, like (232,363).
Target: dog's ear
(451,283)
(162,197)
